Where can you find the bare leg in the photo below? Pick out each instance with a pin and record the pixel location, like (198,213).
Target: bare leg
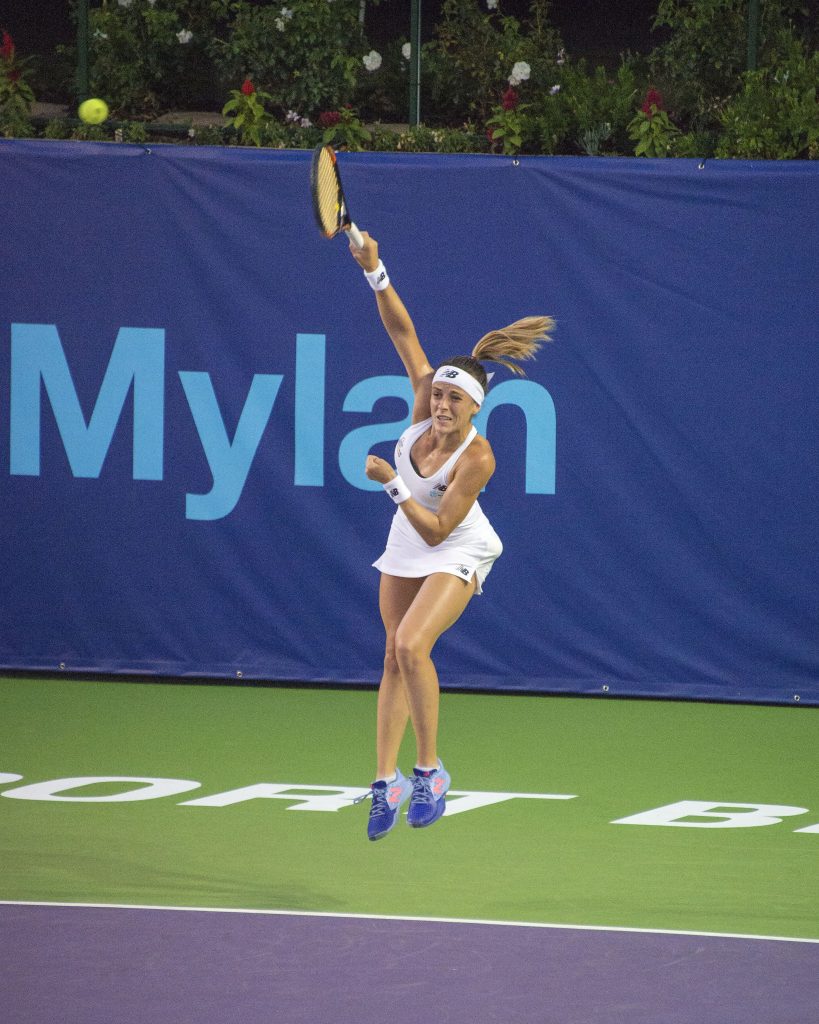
(395,597)
(438,604)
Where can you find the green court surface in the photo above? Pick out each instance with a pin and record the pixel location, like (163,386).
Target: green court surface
(515,860)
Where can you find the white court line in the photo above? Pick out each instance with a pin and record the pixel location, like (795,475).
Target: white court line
(397,917)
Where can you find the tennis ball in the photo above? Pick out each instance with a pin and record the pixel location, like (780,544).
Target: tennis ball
(93,111)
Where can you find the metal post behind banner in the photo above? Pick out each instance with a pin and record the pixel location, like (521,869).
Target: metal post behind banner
(753,33)
(415,63)
(82,50)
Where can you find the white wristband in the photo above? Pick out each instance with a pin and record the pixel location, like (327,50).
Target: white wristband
(378,279)
(397,490)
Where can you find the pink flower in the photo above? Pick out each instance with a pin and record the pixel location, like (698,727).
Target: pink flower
(7,49)
(248,88)
(510,99)
(654,99)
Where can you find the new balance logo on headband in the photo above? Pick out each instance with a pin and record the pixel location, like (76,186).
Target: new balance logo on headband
(449,373)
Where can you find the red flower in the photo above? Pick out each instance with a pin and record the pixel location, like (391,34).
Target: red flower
(7,49)
(14,76)
(653,99)
(510,99)
(248,88)
(328,118)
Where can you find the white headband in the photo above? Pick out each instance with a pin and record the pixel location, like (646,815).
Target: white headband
(461,379)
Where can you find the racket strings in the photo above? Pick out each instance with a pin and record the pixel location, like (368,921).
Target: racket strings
(327,196)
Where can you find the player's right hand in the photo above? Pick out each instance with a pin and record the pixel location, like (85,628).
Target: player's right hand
(367,255)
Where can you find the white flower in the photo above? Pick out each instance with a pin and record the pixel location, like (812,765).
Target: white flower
(521,71)
(125,3)
(151,3)
(291,117)
(305,122)
(184,36)
(286,13)
(406,51)
(491,5)
(514,81)
(100,35)
(554,90)
(280,24)
(372,61)
(561,57)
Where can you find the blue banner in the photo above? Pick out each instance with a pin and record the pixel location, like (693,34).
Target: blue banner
(191,378)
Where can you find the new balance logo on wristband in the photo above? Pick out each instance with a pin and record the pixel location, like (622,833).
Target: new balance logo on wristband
(394,492)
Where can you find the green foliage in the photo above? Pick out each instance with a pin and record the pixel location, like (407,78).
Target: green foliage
(701,64)
(425,139)
(508,128)
(315,78)
(694,145)
(134,132)
(91,133)
(591,140)
(348,132)
(383,95)
(587,112)
(653,131)
(57,128)
(246,114)
(16,95)
(599,99)
(776,115)
(307,55)
(208,135)
(151,56)
(469,63)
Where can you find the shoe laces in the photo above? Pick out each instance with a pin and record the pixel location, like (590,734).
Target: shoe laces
(422,790)
(379,798)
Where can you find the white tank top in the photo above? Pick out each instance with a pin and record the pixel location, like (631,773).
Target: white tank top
(428,490)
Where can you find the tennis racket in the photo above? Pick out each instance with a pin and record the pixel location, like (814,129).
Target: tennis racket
(329,204)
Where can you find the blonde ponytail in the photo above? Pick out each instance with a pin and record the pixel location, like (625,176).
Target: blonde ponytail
(519,341)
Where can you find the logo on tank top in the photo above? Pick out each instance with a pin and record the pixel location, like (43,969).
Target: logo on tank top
(438,491)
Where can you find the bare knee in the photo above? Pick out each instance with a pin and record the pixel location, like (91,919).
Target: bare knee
(410,651)
(391,666)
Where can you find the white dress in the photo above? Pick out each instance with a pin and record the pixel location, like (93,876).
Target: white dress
(468,551)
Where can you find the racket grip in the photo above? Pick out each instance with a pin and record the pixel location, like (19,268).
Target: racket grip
(355,236)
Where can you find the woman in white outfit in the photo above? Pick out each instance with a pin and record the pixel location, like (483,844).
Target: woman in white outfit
(441,546)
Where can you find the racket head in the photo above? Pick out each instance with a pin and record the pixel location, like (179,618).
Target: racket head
(329,204)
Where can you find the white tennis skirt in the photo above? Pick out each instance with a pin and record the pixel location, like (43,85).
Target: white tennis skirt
(470,550)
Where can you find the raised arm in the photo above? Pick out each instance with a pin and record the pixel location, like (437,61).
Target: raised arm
(398,325)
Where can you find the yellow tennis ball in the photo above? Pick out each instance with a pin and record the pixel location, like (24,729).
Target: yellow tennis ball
(93,111)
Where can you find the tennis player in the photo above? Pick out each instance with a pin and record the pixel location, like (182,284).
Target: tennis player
(441,546)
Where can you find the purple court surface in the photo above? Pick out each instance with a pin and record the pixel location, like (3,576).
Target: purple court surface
(107,965)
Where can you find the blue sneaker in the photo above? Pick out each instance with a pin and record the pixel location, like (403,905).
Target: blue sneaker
(387,797)
(428,792)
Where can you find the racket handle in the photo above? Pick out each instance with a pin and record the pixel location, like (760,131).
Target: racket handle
(355,236)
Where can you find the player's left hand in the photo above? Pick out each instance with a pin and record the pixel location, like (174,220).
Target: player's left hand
(379,470)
